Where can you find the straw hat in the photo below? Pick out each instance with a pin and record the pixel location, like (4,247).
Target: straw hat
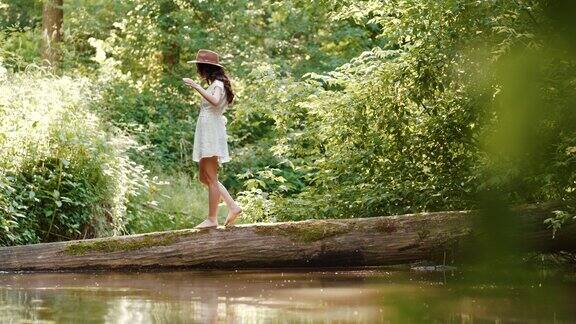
(207,57)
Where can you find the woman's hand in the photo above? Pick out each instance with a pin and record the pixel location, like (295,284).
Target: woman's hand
(213,98)
(189,82)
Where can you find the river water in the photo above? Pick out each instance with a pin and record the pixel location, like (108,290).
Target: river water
(368,295)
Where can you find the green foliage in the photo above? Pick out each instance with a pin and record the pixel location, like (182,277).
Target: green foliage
(20,14)
(64,174)
(20,23)
(152,41)
(343,108)
(402,128)
(177,202)
(18,49)
(560,218)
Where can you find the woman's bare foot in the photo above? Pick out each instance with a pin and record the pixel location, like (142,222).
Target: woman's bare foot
(208,223)
(233,213)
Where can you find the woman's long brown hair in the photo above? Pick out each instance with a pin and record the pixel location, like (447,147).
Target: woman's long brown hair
(210,72)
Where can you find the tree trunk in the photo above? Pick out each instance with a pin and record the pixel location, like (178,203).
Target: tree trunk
(52,19)
(348,242)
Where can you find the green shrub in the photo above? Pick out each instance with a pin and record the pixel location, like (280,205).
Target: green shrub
(466,96)
(20,48)
(64,174)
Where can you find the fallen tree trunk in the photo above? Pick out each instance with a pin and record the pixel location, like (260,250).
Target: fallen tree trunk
(347,242)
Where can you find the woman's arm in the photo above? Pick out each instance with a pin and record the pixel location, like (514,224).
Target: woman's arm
(213,99)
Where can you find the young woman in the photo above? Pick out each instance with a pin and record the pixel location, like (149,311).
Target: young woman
(210,139)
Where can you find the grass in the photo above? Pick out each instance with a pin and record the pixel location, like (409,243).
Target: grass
(181,203)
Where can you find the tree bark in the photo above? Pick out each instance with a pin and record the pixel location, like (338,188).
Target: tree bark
(52,20)
(348,242)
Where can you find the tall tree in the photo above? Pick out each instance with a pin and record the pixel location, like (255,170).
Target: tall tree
(52,19)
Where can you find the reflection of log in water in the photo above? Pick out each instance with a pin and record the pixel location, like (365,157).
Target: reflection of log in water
(203,285)
(347,242)
(368,296)
(209,296)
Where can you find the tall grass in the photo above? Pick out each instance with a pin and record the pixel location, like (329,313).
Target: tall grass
(179,202)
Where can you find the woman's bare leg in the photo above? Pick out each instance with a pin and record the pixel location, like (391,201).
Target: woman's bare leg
(209,177)
(233,207)
(204,182)
(208,173)
(211,169)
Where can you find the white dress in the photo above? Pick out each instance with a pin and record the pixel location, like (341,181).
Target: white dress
(210,138)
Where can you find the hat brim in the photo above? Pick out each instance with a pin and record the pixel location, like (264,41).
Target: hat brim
(195,61)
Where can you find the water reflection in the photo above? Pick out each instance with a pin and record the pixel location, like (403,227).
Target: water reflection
(361,296)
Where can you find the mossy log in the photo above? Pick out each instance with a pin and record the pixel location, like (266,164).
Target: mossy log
(319,243)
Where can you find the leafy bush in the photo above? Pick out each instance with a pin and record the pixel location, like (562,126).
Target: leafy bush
(344,108)
(64,174)
(466,96)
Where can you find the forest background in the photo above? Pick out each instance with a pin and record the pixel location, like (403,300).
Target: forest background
(344,109)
